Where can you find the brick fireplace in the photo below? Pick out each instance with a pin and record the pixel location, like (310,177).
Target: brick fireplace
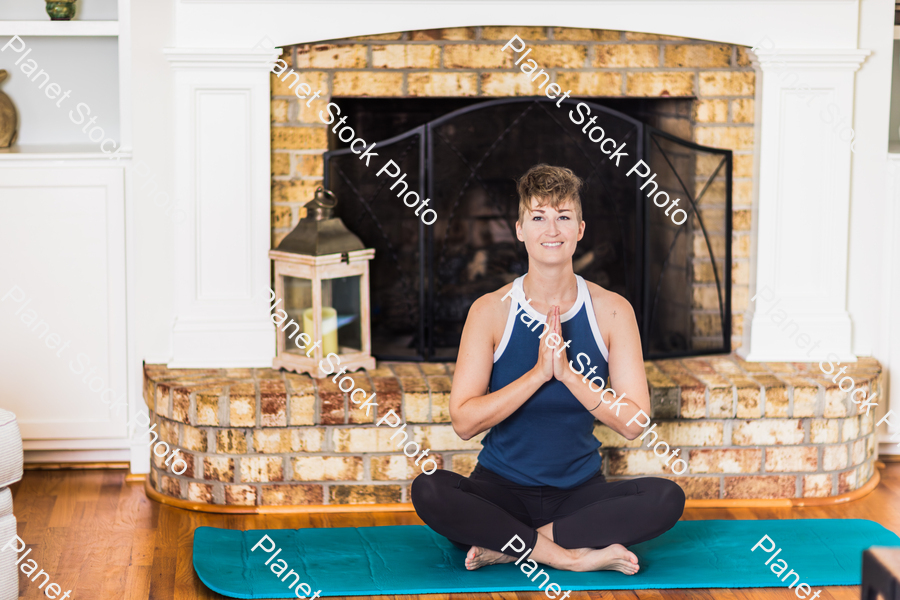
(254,437)
(716,80)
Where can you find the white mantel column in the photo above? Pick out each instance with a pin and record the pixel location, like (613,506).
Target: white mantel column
(221,156)
(800,225)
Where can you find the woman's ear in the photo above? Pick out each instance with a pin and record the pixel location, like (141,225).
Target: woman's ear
(519,233)
(581,231)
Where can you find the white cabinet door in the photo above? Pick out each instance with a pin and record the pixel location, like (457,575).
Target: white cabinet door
(62,305)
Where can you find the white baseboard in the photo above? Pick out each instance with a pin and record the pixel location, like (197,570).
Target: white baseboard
(73,456)
(889,449)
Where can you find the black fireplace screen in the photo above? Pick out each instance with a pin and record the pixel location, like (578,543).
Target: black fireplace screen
(425,278)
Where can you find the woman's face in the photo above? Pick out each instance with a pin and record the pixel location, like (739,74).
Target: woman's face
(550,234)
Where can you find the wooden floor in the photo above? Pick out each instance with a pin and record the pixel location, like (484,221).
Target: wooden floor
(102,538)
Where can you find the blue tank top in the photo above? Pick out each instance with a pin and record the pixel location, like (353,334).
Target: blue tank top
(550,439)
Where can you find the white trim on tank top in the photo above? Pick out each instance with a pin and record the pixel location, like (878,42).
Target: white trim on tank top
(592,319)
(584,297)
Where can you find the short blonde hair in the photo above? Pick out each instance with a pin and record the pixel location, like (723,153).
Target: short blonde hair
(551,186)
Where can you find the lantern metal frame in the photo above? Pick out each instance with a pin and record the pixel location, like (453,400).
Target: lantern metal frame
(318,269)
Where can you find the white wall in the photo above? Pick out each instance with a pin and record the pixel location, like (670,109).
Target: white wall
(873,276)
(868,195)
(86,67)
(152,239)
(152,30)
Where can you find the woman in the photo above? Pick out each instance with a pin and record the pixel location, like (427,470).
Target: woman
(539,473)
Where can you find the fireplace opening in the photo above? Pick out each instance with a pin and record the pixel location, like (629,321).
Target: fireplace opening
(465,156)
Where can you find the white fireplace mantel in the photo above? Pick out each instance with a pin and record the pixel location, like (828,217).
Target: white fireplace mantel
(803,187)
(801,226)
(222,171)
(788,23)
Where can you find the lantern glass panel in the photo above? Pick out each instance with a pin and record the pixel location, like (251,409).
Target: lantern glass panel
(297,301)
(341,311)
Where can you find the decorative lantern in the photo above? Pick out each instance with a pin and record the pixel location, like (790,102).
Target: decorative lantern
(322,276)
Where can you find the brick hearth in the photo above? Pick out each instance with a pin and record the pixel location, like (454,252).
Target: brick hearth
(265,437)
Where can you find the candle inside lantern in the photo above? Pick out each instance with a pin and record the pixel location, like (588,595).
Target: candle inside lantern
(329,328)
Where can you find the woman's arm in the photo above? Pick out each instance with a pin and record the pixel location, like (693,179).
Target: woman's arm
(627,376)
(471,409)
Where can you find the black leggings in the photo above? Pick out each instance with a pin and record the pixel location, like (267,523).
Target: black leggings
(487,510)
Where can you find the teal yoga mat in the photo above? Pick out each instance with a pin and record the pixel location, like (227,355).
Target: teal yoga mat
(413,559)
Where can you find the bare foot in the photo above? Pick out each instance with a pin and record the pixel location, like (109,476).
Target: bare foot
(612,558)
(478,557)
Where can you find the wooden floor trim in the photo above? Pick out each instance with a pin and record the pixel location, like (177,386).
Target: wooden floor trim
(272,510)
(58,466)
(868,488)
(408,507)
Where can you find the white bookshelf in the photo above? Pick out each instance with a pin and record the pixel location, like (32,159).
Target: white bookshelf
(54,152)
(85,10)
(59,28)
(56,183)
(85,56)
(86,67)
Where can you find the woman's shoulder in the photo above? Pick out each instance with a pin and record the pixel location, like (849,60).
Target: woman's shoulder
(601,298)
(493,304)
(488,316)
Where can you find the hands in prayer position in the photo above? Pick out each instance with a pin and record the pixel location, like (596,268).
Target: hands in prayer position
(552,361)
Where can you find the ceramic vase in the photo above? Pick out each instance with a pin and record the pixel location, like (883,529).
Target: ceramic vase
(61,10)
(8,118)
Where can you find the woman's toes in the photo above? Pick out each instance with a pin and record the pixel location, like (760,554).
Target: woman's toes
(474,557)
(628,570)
